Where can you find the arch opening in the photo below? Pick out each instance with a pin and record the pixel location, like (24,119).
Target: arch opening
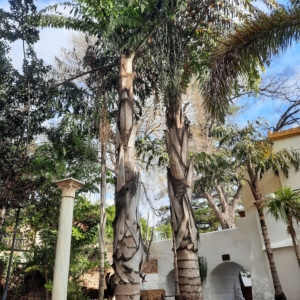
(230,281)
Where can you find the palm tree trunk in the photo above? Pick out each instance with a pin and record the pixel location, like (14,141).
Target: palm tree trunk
(102,220)
(128,250)
(279,294)
(291,230)
(253,184)
(180,179)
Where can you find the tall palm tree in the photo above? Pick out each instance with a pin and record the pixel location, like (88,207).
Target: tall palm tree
(255,156)
(285,206)
(238,54)
(124,27)
(186,41)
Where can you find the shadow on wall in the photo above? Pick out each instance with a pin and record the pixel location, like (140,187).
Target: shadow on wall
(228,281)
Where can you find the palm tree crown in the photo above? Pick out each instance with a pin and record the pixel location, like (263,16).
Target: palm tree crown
(285,201)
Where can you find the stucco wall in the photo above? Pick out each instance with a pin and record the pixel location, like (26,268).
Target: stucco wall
(224,282)
(281,243)
(292,142)
(268,184)
(245,246)
(162,251)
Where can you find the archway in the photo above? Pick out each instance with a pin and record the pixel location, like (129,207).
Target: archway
(225,283)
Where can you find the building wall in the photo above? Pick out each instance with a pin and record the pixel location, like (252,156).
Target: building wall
(245,246)
(292,142)
(246,249)
(162,251)
(268,184)
(240,243)
(281,242)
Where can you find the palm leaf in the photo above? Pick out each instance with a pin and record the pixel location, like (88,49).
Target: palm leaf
(243,50)
(60,21)
(284,202)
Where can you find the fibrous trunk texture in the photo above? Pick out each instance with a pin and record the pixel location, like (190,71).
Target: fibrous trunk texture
(253,184)
(180,178)
(292,232)
(102,220)
(279,294)
(128,250)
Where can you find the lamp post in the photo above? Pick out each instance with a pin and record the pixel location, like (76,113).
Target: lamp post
(62,256)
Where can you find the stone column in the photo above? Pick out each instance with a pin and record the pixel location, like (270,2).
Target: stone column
(62,257)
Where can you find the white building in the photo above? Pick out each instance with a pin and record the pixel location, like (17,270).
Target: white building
(228,251)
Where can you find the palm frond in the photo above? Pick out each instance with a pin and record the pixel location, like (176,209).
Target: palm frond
(61,21)
(243,50)
(286,201)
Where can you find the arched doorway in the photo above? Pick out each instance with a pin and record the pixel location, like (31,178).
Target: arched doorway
(226,283)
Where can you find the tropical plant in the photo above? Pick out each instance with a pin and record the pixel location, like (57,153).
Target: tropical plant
(19,92)
(221,189)
(206,220)
(285,206)
(240,52)
(130,40)
(255,156)
(126,27)
(186,41)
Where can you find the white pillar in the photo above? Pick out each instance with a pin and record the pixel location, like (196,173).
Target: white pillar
(62,256)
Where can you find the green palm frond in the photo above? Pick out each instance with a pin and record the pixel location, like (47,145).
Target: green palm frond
(60,21)
(246,48)
(286,201)
(271,4)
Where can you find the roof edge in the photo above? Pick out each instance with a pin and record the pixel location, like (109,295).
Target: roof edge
(284,134)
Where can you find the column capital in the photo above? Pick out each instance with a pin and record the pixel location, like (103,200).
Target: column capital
(68,186)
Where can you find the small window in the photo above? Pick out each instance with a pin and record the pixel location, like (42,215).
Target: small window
(225,257)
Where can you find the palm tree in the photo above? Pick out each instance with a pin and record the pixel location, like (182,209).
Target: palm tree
(238,54)
(255,156)
(123,27)
(246,48)
(179,41)
(119,26)
(285,206)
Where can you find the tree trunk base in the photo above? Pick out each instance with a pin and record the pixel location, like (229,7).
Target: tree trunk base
(280,297)
(188,275)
